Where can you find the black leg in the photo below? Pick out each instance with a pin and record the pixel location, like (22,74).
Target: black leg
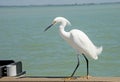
(87,64)
(76,66)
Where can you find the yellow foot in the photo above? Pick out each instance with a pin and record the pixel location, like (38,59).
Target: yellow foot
(87,77)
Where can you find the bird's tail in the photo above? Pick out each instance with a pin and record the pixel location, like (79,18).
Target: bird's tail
(99,50)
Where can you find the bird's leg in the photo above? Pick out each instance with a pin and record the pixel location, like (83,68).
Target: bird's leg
(76,66)
(87,65)
(71,77)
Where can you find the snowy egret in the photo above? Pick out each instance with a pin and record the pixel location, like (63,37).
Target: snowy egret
(78,40)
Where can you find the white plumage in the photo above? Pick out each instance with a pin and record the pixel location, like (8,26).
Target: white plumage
(78,40)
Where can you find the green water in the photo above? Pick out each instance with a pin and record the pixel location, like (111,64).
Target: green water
(45,53)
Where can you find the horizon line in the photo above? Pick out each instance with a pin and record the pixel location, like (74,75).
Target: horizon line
(75,4)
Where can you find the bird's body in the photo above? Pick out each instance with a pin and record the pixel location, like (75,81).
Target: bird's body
(78,40)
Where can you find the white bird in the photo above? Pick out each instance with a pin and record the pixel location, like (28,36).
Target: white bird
(78,40)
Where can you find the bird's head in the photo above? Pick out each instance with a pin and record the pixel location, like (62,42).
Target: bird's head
(61,20)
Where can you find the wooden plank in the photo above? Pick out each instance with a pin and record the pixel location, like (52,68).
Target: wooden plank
(61,79)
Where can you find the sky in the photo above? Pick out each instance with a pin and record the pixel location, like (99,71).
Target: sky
(44,2)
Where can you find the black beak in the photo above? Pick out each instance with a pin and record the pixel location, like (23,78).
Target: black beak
(48,27)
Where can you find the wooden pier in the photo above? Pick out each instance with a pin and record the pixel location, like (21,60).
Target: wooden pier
(60,79)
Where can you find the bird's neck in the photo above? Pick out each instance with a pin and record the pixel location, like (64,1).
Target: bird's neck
(63,33)
(62,26)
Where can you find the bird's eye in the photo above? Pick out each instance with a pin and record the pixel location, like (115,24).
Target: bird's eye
(54,22)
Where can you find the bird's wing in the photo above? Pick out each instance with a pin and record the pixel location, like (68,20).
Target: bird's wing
(82,43)
(81,39)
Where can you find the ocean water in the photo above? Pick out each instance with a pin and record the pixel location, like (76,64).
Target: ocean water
(22,38)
